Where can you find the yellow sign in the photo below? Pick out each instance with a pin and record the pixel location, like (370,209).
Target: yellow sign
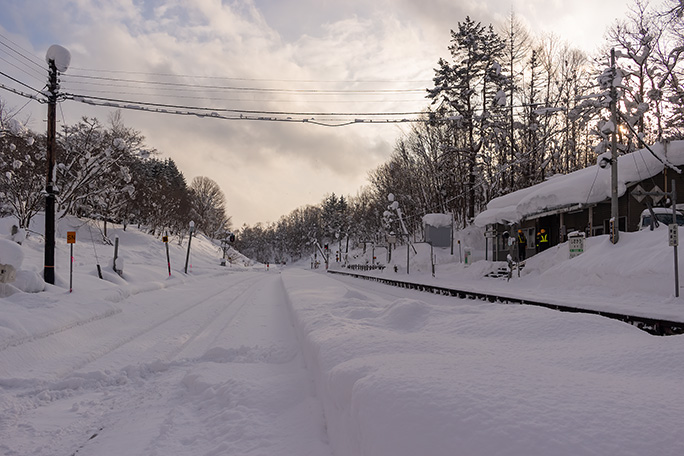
(165,238)
(71,237)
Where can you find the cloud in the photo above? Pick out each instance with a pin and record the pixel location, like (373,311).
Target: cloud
(294,54)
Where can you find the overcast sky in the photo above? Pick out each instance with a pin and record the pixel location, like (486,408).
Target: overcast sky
(303,56)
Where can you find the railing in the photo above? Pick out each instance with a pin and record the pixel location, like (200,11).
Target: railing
(366,267)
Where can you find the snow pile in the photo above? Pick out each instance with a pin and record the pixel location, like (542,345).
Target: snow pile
(427,376)
(60,55)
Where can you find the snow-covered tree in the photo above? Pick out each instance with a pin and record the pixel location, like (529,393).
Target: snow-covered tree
(22,177)
(465,91)
(208,207)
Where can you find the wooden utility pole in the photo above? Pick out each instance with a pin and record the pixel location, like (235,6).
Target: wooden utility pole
(49,269)
(614,214)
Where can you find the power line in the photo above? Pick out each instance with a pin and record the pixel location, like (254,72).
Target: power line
(22,94)
(332,122)
(184,89)
(253,100)
(228,78)
(77,97)
(18,68)
(240,89)
(316,118)
(19,82)
(29,59)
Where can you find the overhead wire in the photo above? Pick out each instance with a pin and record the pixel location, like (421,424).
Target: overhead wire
(22,94)
(257,100)
(241,89)
(24,56)
(328,122)
(35,75)
(77,97)
(2,73)
(235,78)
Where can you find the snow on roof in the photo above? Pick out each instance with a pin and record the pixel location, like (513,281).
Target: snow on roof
(437,220)
(585,186)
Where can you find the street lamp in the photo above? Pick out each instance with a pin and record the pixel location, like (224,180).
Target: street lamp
(187,257)
(394,205)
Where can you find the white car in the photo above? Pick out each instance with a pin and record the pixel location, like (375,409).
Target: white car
(663,217)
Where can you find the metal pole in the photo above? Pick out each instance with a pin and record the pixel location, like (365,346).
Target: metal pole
(187,257)
(49,269)
(116,254)
(614,215)
(71,270)
(168,258)
(432,260)
(676,246)
(452,233)
(407,254)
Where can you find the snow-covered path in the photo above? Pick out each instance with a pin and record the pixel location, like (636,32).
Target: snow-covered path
(401,372)
(190,369)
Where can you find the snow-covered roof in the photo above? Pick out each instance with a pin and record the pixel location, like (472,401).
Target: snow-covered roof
(583,187)
(437,220)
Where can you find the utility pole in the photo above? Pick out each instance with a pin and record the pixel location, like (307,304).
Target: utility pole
(614,215)
(674,236)
(49,270)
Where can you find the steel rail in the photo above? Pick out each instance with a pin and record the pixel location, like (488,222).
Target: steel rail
(654,326)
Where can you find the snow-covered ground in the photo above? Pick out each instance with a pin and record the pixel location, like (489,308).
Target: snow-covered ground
(241,360)
(634,277)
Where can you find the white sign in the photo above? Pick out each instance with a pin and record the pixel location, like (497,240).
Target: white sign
(674,234)
(576,244)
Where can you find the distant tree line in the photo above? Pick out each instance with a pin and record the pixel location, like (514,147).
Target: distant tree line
(105,173)
(507,111)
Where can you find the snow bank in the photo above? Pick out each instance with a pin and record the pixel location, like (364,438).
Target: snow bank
(28,314)
(418,376)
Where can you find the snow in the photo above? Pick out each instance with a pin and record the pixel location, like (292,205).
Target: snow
(60,55)
(249,360)
(438,220)
(585,186)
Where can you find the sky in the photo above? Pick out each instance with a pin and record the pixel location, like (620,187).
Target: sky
(300,58)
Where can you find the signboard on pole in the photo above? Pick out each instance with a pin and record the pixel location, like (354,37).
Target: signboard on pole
(576,244)
(673,234)
(71,240)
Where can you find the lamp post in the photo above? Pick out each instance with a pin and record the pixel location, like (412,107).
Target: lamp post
(187,257)
(395,206)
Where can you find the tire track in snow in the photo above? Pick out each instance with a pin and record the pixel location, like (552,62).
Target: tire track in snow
(147,330)
(33,337)
(112,297)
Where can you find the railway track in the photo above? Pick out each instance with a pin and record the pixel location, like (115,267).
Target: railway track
(653,326)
